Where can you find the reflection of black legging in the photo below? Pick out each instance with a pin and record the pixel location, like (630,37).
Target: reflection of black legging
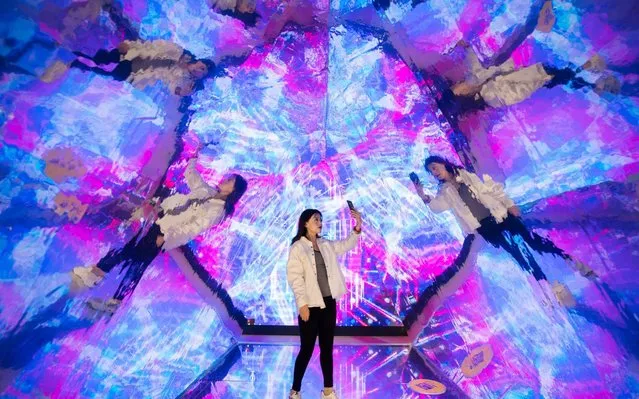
(503,235)
(565,76)
(321,322)
(7,63)
(121,71)
(137,254)
(249,19)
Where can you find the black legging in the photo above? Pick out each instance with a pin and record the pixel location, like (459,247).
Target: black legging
(321,322)
(137,254)
(503,235)
(121,71)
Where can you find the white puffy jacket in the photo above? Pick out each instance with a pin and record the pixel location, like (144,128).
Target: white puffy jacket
(488,192)
(181,228)
(301,270)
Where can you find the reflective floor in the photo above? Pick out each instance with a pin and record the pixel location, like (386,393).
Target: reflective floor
(265,371)
(316,102)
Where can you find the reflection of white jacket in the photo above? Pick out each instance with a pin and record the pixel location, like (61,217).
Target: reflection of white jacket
(502,85)
(477,74)
(301,270)
(515,87)
(488,192)
(152,49)
(181,228)
(174,76)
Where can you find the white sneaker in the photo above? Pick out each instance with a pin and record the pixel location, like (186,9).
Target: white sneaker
(294,395)
(596,64)
(110,306)
(332,395)
(86,276)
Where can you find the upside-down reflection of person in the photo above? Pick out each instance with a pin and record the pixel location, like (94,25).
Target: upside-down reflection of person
(144,63)
(483,208)
(503,85)
(179,219)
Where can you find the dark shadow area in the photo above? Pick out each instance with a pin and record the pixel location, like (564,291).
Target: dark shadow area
(217,372)
(22,344)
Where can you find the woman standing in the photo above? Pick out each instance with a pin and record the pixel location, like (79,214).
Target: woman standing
(317,282)
(483,207)
(181,219)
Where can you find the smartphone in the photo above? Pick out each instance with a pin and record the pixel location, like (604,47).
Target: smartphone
(414,178)
(350,205)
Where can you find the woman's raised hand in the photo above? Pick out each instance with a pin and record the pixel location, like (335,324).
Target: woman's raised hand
(419,187)
(358,219)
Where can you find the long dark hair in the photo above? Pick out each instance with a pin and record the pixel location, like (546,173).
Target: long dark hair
(210,67)
(239,188)
(301,224)
(210,72)
(450,167)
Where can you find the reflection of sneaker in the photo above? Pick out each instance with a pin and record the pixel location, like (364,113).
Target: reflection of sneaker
(563,295)
(545,294)
(547,18)
(608,84)
(294,395)
(585,270)
(591,275)
(332,395)
(246,6)
(595,64)
(86,276)
(76,286)
(54,72)
(224,5)
(110,306)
